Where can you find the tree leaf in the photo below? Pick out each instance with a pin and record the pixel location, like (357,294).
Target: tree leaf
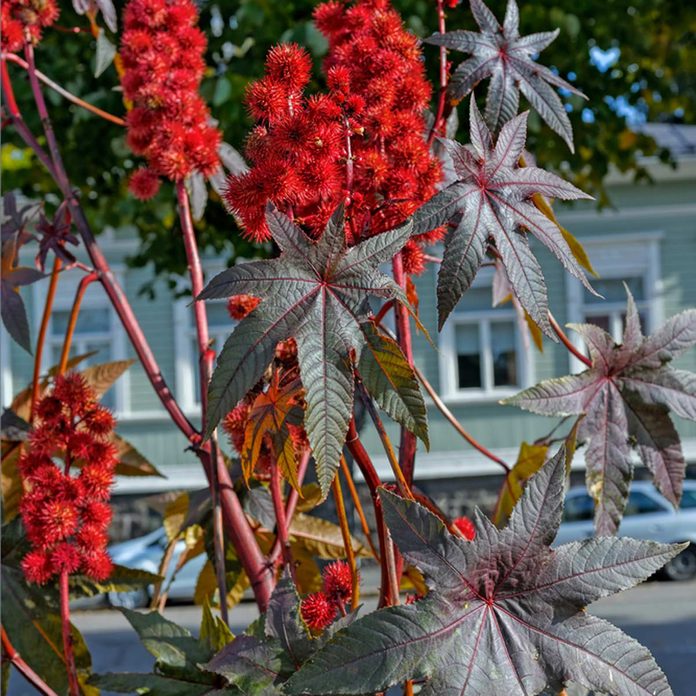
(626,396)
(492,201)
(105,53)
(102,377)
(529,460)
(505,614)
(214,631)
(314,292)
(122,579)
(322,538)
(149,684)
(499,52)
(14,316)
(391,381)
(130,461)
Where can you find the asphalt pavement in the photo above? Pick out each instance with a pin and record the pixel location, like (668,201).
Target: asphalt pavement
(660,615)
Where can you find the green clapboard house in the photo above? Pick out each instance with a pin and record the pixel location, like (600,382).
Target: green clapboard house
(648,240)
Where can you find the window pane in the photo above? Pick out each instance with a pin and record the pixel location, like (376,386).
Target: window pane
(468,357)
(641,504)
(601,320)
(613,290)
(92,320)
(578,508)
(504,354)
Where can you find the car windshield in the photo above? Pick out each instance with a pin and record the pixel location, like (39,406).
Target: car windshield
(688,500)
(580,507)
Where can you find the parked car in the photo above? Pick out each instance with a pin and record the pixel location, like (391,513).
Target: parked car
(648,515)
(145,553)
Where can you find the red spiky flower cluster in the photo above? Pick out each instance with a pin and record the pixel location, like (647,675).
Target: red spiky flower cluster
(319,609)
(295,150)
(377,95)
(66,517)
(374,59)
(30,16)
(465,527)
(169,124)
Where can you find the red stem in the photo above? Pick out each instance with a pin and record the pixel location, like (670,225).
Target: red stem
(362,459)
(442,96)
(455,423)
(23,668)
(290,505)
(73,682)
(64,92)
(281,519)
(407,444)
(238,527)
(567,343)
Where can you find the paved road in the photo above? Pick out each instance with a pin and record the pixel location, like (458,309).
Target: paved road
(660,615)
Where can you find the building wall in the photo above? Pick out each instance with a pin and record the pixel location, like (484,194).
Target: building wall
(651,225)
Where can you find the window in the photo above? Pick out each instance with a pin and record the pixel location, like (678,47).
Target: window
(220,326)
(641,504)
(630,259)
(688,501)
(482,355)
(97,331)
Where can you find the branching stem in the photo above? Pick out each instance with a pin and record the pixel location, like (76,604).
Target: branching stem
(359,508)
(567,342)
(85,281)
(41,339)
(281,520)
(347,539)
(73,683)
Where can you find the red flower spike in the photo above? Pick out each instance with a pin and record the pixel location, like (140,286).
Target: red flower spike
(162,52)
(465,527)
(317,611)
(338,582)
(65,517)
(21,15)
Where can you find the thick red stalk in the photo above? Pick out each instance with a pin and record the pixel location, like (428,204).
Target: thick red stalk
(442,94)
(23,668)
(238,527)
(362,459)
(407,444)
(68,653)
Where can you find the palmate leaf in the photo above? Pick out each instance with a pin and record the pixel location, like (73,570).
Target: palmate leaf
(315,292)
(501,54)
(626,395)
(505,613)
(491,201)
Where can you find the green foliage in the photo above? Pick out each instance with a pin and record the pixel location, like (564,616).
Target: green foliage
(652,74)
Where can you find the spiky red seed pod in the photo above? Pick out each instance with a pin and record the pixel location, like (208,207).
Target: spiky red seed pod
(289,64)
(97,564)
(56,520)
(38,567)
(74,392)
(99,421)
(317,611)
(91,536)
(286,351)
(413,258)
(96,512)
(238,306)
(234,424)
(65,557)
(466,527)
(338,582)
(144,184)
(96,481)
(49,408)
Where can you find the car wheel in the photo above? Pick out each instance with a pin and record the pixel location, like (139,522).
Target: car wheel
(135,599)
(683,566)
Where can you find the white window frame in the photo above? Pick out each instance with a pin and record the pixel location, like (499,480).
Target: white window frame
(619,256)
(449,390)
(94,298)
(186,358)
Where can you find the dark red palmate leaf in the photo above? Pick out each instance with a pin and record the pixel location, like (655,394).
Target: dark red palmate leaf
(505,612)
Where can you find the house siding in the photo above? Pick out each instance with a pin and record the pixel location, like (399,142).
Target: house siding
(667,208)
